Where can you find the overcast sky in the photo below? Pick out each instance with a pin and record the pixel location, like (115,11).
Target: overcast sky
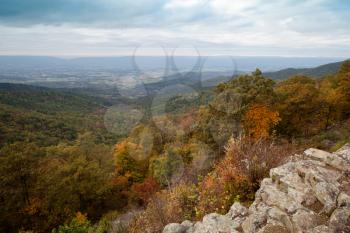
(182,27)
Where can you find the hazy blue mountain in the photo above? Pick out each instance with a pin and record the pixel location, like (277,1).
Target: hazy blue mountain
(317,72)
(31,62)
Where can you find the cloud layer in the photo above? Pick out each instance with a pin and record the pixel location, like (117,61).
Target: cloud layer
(232,27)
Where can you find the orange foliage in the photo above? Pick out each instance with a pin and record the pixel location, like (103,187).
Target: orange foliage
(120,181)
(34,206)
(124,146)
(221,187)
(259,120)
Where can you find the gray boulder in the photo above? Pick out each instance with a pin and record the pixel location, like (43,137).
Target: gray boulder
(175,228)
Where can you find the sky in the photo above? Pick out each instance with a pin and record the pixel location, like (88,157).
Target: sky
(300,28)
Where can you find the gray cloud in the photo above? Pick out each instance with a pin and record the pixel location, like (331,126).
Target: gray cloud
(238,27)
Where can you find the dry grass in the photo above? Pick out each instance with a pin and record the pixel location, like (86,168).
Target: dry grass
(172,205)
(254,159)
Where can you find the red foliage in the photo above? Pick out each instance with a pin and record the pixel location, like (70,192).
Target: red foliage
(145,189)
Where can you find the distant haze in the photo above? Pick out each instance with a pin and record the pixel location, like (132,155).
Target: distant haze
(159,63)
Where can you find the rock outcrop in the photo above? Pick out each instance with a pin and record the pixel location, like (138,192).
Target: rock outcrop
(310,193)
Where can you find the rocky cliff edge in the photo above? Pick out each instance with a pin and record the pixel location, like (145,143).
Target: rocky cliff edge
(310,193)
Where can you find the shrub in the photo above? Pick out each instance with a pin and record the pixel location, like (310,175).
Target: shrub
(237,176)
(152,219)
(167,168)
(172,205)
(79,224)
(143,191)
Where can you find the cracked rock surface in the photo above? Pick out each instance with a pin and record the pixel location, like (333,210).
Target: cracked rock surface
(310,193)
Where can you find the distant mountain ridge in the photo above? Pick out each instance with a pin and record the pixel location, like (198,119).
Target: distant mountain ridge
(147,63)
(46,75)
(316,72)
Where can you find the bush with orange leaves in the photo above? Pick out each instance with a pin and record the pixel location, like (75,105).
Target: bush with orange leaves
(237,176)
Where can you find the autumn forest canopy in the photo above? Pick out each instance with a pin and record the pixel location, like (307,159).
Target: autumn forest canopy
(174,116)
(70,161)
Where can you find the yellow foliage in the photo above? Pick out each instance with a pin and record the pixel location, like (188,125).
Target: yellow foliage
(81,218)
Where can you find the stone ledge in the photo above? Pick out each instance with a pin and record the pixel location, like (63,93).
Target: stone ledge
(310,193)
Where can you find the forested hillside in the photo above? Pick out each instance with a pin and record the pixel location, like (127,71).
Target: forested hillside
(62,171)
(46,117)
(52,141)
